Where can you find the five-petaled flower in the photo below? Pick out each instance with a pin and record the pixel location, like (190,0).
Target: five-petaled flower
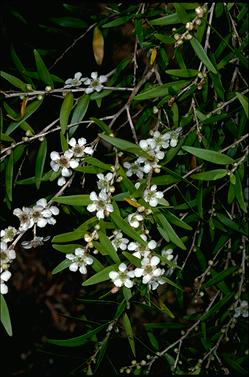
(8,234)
(119,241)
(78,147)
(134,219)
(65,163)
(42,215)
(100,203)
(151,195)
(149,269)
(80,259)
(76,81)
(94,83)
(122,277)
(25,218)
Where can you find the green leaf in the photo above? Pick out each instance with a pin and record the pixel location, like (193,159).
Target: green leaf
(132,259)
(209,155)
(9,177)
(176,221)
(70,22)
(211,175)
(95,162)
(186,73)
(100,276)
(104,127)
(69,248)
(77,233)
(108,247)
(244,102)
(129,333)
(73,200)
(232,363)
(30,109)
(119,21)
(161,90)
(125,145)
(78,340)
(182,14)
(65,111)
(5,316)
(167,228)
(126,228)
(220,276)
(202,55)
(42,70)
(14,81)
(170,19)
(61,266)
(79,112)
(40,162)
(170,282)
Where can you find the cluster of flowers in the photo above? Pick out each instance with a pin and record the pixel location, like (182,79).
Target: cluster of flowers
(94,83)
(155,147)
(150,271)
(242,309)
(193,25)
(39,215)
(65,162)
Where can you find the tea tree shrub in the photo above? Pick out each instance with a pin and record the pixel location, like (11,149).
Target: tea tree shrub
(135,174)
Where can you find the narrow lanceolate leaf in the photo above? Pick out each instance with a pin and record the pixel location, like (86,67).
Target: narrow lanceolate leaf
(14,81)
(125,145)
(66,108)
(4,315)
(42,70)
(132,259)
(95,162)
(78,340)
(220,276)
(61,266)
(70,248)
(171,19)
(182,72)
(129,333)
(238,190)
(100,276)
(98,45)
(104,127)
(9,177)
(211,175)
(30,109)
(108,247)
(182,14)
(40,162)
(216,308)
(167,228)
(73,200)
(170,282)
(202,55)
(119,21)
(244,102)
(126,228)
(161,90)
(79,112)
(209,155)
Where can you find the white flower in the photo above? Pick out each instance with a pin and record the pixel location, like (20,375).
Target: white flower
(174,137)
(123,277)
(95,83)
(35,242)
(104,181)
(100,203)
(42,215)
(76,81)
(151,196)
(64,163)
(141,251)
(242,310)
(149,146)
(4,276)
(134,168)
(25,218)
(168,254)
(6,255)
(119,242)
(149,269)
(8,234)
(134,219)
(80,260)
(161,140)
(148,165)
(78,148)
(155,281)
